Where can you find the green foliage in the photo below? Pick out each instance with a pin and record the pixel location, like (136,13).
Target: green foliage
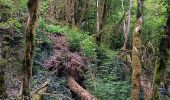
(110,81)
(56,29)
(78,40)
(44,6)
(88,45)
(2,62)
(42,38)
(153,26)
(6,2)
(115,90)
(11,23)
(15,6)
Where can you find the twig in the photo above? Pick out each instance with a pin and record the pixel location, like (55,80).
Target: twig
(41,89)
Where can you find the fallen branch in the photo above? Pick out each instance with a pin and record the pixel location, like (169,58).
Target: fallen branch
(41,89)
(77,89)
(37,94)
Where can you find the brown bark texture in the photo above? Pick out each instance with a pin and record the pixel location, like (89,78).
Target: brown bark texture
(127,29)
(76,88)
(70,12)
(29,47)
(136,65)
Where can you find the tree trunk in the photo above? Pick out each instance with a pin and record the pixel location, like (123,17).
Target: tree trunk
(136,65)
(29,47)
(123,12)
(146,87)
(128,25)
(97,17)
(97,30)
(84,12)
(3,62)
(70,12)
(81,92)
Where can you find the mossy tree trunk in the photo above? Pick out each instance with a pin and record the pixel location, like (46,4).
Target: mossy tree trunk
(29,47)
(136,65)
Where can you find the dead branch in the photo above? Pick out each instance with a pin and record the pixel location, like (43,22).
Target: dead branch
(41,89)
(81,92)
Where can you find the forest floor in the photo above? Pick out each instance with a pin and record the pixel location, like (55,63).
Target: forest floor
(57,87)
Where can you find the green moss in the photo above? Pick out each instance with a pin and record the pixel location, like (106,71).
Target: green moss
(3,62)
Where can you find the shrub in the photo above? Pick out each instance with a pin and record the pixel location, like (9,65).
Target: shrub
(78,40)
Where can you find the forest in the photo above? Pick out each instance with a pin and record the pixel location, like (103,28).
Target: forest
(84,49)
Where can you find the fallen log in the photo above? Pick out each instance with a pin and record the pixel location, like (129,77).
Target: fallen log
(37,93)
(77,89)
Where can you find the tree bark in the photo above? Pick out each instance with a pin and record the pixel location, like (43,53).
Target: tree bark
(29,47)
(70,12)
(123,12)
(84,12)
(97,30)
(126,33)
(146,87)
(81,92)
(104,13)
(136,65)
(97,17)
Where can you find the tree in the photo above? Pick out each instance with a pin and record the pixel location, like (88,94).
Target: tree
(29,47)
(127,28)
(97,25)
(97,17)
(70,12)
(123,12)
(136,65)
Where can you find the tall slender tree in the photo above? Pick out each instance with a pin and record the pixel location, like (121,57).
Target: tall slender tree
(123,12)
(136,65)
(29,47)
(97,25)
(97,17)
(127,28)
(70,12)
